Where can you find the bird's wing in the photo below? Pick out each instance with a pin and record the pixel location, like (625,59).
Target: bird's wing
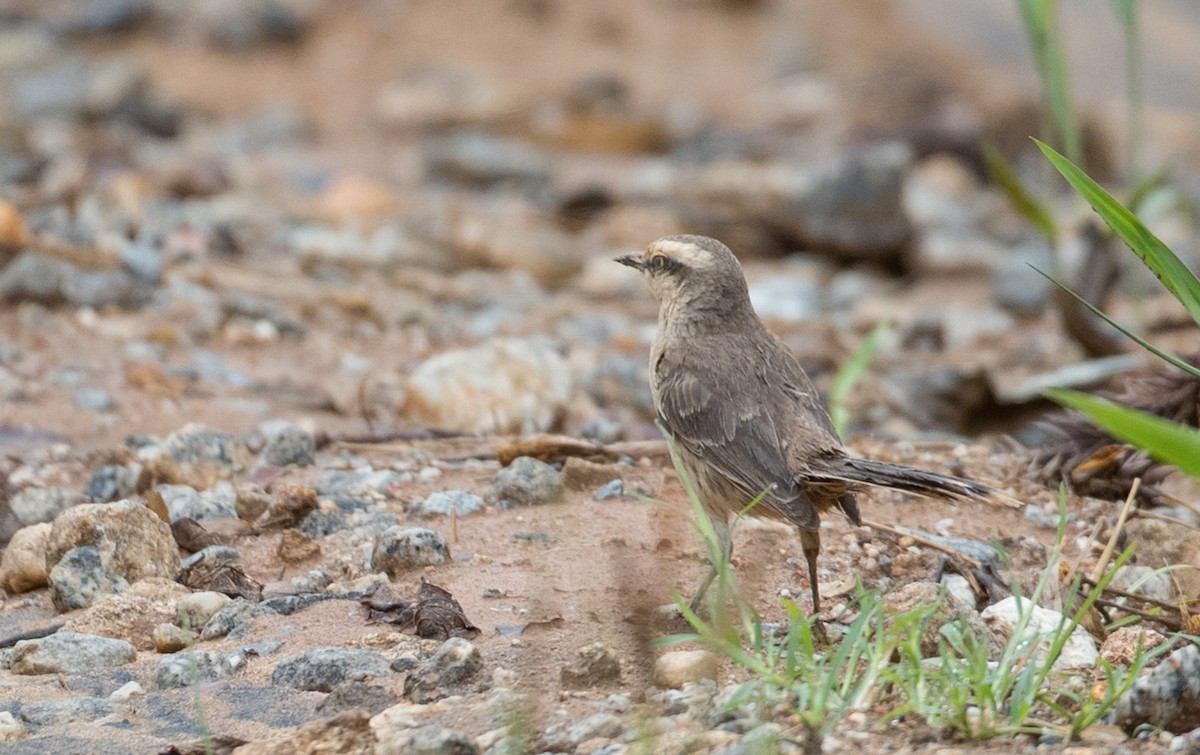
(735,434)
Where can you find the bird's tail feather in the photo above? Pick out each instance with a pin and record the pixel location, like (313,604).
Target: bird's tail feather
(899,477)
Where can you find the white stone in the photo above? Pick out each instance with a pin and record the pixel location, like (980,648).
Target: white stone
(1080,650)
(678,667)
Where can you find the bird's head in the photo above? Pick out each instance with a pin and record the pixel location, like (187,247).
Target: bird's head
(691,273)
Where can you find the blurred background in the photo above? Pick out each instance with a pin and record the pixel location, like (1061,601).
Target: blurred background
(235,212)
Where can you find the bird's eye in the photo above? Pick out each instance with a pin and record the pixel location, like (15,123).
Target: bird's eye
(658,262)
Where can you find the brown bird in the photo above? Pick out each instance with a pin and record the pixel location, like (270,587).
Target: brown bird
(744,415)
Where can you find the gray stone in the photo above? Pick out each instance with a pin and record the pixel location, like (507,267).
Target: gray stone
(36,505)
(112,483)
(1017,286)
(185,502)
(101,289)
(451,670)
(356,695)
(197,609)
(195,443)
(1145,581)
(190,667)
(434,740)
(291,445)
(70,653)
(95,400)
(482,161)
(594,665)
(525,482)
(787,297)
(1166,696)
(609,490)
(568,737)
(211,366)
(66,710)
(357,483)
(233,620)
(399,549)
(322,669)
(142,261)
(81,577)
(461,502)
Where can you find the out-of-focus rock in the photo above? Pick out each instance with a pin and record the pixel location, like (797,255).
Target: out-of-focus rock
(433,97)
(482,161)
(70,653)
(400,549)
(133,614)
(131,540)
(23,566)
(506,385)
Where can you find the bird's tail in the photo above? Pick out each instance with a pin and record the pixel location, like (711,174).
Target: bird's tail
(899,477)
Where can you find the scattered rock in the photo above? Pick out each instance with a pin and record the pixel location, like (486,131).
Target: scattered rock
(570,737)
(481,161)
(132,542)
(429,740)
(23,566)
(169,638)
(290,506)
(66,710)
(322,669)
(35,278)
(289,446)
(197,608)
(295,547)
(675,668)
(190,667)
(36,505)
(234,620)
(1144,580)
(195,444)
(357,695)
(1079,652)
(1165,697)
(70,653)
(133,614)
(594,666)
(112,482)
(1122,646)
(95,400)
(917,595)
(10,728)
(81,577)
(443,502)
(507,385)
(525,482)
(185,502)
(400,549)
(451,670)
(347,733)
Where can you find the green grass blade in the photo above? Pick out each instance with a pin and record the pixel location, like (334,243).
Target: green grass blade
(1004,175)
(1166,441)
(849,374)
(1169,269)
(1040,19)
(1165,356)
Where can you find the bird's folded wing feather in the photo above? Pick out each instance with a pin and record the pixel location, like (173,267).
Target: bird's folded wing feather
(735,435)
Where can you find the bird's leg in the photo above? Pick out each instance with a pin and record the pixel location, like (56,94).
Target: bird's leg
(810,541)
(725,540)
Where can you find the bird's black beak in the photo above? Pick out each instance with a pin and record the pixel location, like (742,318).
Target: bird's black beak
(631,260)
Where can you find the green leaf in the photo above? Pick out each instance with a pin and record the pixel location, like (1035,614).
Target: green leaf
(1167,357)
(1175,275)
(849,374)
(1004,175)
(1166,441)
